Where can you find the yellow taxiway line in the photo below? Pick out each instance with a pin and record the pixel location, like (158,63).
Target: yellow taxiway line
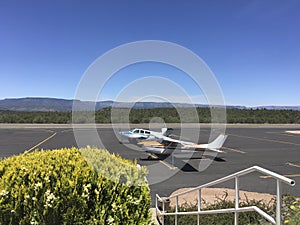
(286,175)
(162,162)
(43,141)
(168,165)
(292,164)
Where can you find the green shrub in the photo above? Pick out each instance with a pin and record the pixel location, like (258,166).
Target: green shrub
(63,187)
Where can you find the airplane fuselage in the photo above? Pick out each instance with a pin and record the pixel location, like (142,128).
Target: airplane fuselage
(140,134)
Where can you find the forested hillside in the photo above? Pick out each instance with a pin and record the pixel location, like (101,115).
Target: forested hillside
(169,115)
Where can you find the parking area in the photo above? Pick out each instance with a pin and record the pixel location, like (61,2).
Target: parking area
(270,147)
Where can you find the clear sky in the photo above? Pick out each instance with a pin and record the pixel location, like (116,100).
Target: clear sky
(252,46)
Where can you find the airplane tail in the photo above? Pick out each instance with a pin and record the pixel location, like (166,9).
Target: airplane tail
(216,144)
(166,131)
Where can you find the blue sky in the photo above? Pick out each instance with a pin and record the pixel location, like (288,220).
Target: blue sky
(252,47)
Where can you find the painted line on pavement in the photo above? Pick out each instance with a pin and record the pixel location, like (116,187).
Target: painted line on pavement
(292,164)
(265,139)
(286,175)
(162,162)
(43,141)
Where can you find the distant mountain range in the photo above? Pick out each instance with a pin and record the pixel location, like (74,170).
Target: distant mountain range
(65,105)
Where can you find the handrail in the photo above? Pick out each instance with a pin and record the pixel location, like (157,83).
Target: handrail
(240,173)
(237,209)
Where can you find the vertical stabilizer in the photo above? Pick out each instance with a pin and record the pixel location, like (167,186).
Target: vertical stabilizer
(164,130)
(218,142)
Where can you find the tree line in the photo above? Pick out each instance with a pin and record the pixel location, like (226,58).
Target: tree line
(169,115)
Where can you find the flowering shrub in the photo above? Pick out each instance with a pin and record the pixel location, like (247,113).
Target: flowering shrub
(293,215)
(63,187)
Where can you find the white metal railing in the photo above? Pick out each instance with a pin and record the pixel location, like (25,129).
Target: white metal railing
(278,221)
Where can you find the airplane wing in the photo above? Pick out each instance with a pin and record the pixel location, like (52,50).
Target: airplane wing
(168,143)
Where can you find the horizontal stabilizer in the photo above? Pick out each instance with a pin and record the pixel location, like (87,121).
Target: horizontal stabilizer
(216,150)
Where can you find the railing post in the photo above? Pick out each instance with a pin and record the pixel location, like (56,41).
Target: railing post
(278,203)
(156,205)
(199,206)
(176,210)
(163,209)
(237,197)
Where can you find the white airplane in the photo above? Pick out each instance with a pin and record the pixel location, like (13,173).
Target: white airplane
(167,146)
(142,134)
(160,143)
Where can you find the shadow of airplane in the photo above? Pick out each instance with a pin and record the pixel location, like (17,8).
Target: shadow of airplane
(175,161)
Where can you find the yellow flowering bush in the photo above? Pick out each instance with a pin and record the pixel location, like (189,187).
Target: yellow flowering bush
(72,186)
(293,215)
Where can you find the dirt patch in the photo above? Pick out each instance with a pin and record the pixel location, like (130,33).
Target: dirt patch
(211,195)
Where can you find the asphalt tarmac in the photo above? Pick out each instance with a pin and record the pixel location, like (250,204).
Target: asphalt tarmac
(267,146)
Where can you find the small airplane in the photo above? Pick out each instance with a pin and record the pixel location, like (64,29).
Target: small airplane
(167,146)
(160,143)
(143,134)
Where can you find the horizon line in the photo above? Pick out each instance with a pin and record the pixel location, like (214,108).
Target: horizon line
(173,102)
